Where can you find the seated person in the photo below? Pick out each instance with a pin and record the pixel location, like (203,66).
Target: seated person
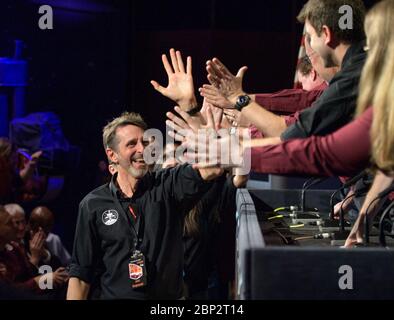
(19,218)
(42,217)
(15,268)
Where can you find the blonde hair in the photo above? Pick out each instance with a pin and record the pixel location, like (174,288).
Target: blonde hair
(377,83)
(127,118)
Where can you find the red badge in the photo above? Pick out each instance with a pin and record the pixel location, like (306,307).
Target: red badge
(136,271)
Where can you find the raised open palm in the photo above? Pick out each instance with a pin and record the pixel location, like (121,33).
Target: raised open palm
(180,86)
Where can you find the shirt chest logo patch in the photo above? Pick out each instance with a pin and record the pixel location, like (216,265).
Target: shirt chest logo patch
(109,217)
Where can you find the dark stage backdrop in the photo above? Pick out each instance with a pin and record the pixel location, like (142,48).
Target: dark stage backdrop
(100,56)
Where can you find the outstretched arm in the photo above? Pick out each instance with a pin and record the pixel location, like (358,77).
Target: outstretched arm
(224,90)
(380,183)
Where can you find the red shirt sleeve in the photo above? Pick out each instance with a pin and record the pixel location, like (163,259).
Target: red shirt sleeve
(344,152)
(291,119)
(255,133)
(290,100)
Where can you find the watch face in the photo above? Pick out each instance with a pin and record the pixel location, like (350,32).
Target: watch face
(243,101)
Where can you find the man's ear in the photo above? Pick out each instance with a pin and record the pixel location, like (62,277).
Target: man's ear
(313,75)
(329,37)
(112,155)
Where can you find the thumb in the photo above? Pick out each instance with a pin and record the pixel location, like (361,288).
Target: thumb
(241,72)
(157,86)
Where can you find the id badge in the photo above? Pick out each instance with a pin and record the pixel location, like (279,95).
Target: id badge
(137,270)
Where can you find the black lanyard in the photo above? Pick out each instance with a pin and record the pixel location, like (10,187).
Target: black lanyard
(139,222)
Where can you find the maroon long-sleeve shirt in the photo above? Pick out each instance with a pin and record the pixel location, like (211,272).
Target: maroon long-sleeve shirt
(289,101)
(344,152)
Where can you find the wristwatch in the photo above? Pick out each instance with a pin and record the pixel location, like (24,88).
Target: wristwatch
(242,102)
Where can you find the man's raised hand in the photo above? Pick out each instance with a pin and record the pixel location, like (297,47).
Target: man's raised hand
(224,87)
(180,86)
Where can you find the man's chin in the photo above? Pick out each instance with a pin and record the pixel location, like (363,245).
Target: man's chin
(138,173)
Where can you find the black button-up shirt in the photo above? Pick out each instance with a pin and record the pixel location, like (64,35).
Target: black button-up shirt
(337,104)
(105,234)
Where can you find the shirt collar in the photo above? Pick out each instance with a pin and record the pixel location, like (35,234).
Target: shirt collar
(142,186)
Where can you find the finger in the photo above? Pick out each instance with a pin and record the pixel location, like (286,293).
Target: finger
(166,65)
(213,101)
(219,65)
(40,243)
(157,86)
(205,104)
(34,239)
(213,80)
(210,119)
(211,93)
(211,98)
(183,114)
(229,113)
(33,243)
(174,60)
(214,71)
(189,66)
(217,112)
(58,281)
(41,232)
(180,122)
(241,72)
(41,236)
(229,118)
(176,136)
(40,240)
(209,87)
(173,125)
(63,274)
(205,93)
(181,66)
